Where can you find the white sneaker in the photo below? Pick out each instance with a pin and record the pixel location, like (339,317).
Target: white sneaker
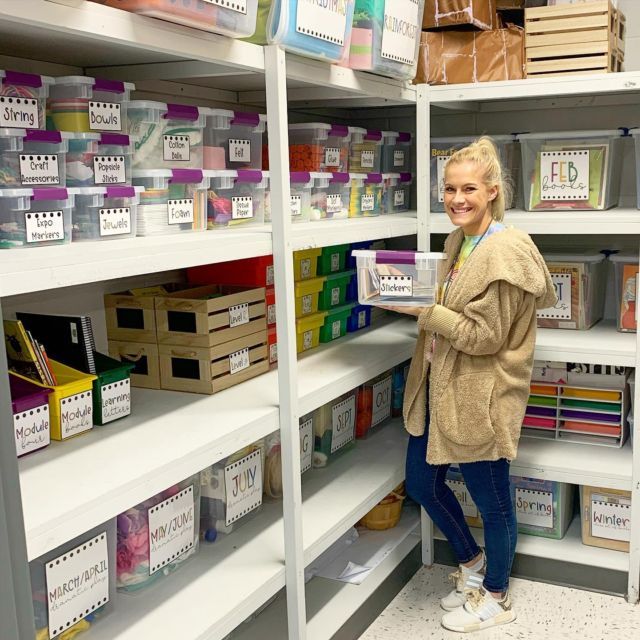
(465,580)
(481,611)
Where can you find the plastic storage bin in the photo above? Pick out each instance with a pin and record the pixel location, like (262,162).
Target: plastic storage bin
(144,556)
(104,213)
(365,150)
(580,282)
(330,200)
(333,259)
(96,159)
(35,217)
(248,272)
(366,195)
(30,158)
(166,136)
(360,318)
(374,403)
(111,390)
(23,98)
(334,428)
(402,278)
(31,421)
(571,170)
(307,294)
(233,139)
(334,290)
(301,186)
(396,192)
(305,263)
(626,274)
(335,323)
(173,201)
(236,20)
(317,146)
(605,517)
(396,151)
(314,30)
(71,586)
(78,103)
(236,198)
(308,331)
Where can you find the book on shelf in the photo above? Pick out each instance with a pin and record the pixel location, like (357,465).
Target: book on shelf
(25,355)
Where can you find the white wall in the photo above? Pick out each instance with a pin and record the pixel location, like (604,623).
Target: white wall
(631,9)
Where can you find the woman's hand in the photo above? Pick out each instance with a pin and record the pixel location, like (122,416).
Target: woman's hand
(411,311)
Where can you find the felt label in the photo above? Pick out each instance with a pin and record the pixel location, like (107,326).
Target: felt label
(32,429)
(44,226)
(396,286)
(322,19)
(399,30)
(334,204)
(307,340)
(176,149)
(19,112)
(305,268)
(534,508)
(105,116)
(332,157)
(109,170)
(239,361)
(398,158)
(180,211)
(367,158)
(343,422)
(306,445)
(115,222)
(611,517)
(362,319)
(116,400)
(562,309)
(39,169)
(381,409)
(564,175)
(335,296)
(463,496)
(398,198)
(367,203)
(296,206)
(335,329)
(238,315)
(440,162)
(239,150)
(241,207)
(243,486)
(76,414)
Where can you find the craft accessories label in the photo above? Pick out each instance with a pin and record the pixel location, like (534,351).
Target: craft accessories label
(171,529)
(367,158)
(562,310)
(76,414)
(109,170)
(180,211)
(396,286)
(296,206)
(362,319)
(19,112)
(238,315)
(381,409)
(239,361)
(239,150)
(39,169)
(241,207)
(611,520)
(176,149)
(335,329)
(239,6)
(343,421)
(398,198)
(271,314)
(307,303)
(44,226)
(32,429)
(116,400)
(306,445)
(398,158)
(463,496)
(564,175)
(440,162)
(115,222)
(322,19)
(399,30)
(273,353)
(332,157)
(105,116)
(77,583)
(305,268)
(243,486)
(534,508)
(335,296)
(334,204)
(367,203)
(307,340)
(335,262)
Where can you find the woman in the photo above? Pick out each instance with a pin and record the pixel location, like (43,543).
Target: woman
(472,369)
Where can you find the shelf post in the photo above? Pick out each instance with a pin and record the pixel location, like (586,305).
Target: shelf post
(276,84)
(423,165)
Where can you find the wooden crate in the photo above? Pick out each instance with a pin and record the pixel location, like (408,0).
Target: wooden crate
(574,39)
(212,369)
(145,358)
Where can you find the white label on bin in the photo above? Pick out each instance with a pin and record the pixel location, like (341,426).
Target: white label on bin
(39,169)
(239,361)
(305,268)
(610,519)
(271,314)
(176,148)
(307,340)
(564,175)
(398,198)
(334,204)
(335,329)
(396,286)
(381,409)
(307,303)
(44,226)
(109,170)
(335,262)
(238,314)
(32,429)
(534,508)
(241,207)
(343,423)
(440,162)
(171,529)
(296,206)
(243,486)
(116,400)
(362,319)
(115,222)
(367,159)
(367,203)
(269,275)
(459,488)
(273,353)
(105,116)
(76,414)
(332,157)
(240,6)
(180,211)
(306,445)
(335,296)
(19,112)
(398,158)
(239,150)
(399,30)
(562,310)
(77,583)
(323,20)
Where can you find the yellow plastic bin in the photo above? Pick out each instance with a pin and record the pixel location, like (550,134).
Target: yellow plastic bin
(307,294)
(308,331)
(305,264)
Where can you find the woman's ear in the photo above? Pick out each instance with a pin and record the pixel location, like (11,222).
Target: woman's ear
(493,193)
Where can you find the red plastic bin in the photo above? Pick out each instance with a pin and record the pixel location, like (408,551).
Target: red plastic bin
(248,272)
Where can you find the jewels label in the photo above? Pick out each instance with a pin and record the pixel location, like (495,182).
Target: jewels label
(19,112)
(243,486)
(562,310)
(331,157)
(239,315)
(176,149)
(116,400)
(609,519)
(32,429)
(396,286)
(105,116)
(306,445)
(534,508)
(398,158)
(440,162)
(564,175)
(239,361)
(398,198)
(322,20)
(44,226)
(239,150)
(241,207)
(239,6)
(115,222)
(367,203)
(399,30)
(76,414)
(461,492)
(109,170)
(367,158)
(334,204)
(39,169)
(343,422)
(381,409)
(180,211)
(296,206)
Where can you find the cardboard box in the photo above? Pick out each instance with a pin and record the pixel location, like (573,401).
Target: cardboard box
(448,13)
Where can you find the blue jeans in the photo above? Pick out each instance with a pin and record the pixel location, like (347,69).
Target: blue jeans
(488,484)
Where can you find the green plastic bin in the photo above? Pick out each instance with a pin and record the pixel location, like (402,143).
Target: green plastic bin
(335,324)
(111,390)
(333,259)
(334,290)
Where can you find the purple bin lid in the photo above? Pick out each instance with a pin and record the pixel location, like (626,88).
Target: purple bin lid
(253,177)
(405,177)
(373,134)
(339,131)
(119,139)
(395,257)
(26,395)
(112,86)
(120,192)
(36,135)
(299,177)
(181,112)
(246,119)
(57,193)
(373,178)
(186,176)
(24,79)
(404,136)
(339,177)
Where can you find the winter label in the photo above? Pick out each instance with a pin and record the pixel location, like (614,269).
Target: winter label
(39,170)
(398,158)
(238,315)
(241,207)
(343,421)
(180,211)
(76,414)
(440,162)
(399,30)
(306,445)
(109,170)
(334,204)
(335,296)
(105,116)
(305,268)
(307,340)
(564,175)
(115,222)
(239,150)
(239,361)
(296,206)
(381,409)
(398,198)
(367,158)
(176,149)
(243,486)
(32,429)
(463,496)
(335,329)
(44,226)
(116,400)
(534,508)
(331,157)
(367,203)
(396,286)
(611,520)
(322,19)
(562,310)
(19,112)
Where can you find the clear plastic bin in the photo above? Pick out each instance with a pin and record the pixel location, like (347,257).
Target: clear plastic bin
(96,159)
(104,213)
(366,195)
(365,150)
(580,283)
(335,428)
(301,185)
(396,152)
(308,331)
(605,516)
(330,198)
(374,403)
(316,146)
(235,19)
(173,201)
(567,170)
(236,198)
(31,158)
(233,139)
(74,585)
(23,98)
(307,294)
(35,217)
(398,278)
(166,136)
(396,192)
(78,103)
(626,270)
(313,30)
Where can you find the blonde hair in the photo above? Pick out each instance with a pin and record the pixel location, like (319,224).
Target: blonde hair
(484,153)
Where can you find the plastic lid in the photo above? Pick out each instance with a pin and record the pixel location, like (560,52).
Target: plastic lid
(373,135)
(118,191)
(45,193)
(300,177)
(397,257)
(573,257)
(470,138)
(25,79)
(361,130)
(208,111)
(341,177)
(177,176)
(373,178)
(561,135)
(406,178)
(309,125)
(101,84)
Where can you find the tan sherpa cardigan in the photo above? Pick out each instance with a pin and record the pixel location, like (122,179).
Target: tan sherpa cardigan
(480,371)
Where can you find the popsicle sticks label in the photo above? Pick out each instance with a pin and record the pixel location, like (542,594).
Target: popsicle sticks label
(180,211)
(109,170)
(396,286)
(44,226)
(19,112)
(243,486)
(239,6)
(39,169)
(76,414)
(105,116)
(241,207)
(367,159)
(564,175)
(239,314)
(115,222)
(32,429)
(239,150)
(239,361)
(176,148)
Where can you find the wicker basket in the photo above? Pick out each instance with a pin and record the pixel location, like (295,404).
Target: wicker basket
(386,514)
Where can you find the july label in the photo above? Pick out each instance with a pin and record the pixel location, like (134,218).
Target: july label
(180,211)
(243,486)
(335,262)
(399,30)
(367,203)
(44,226)
(239,6)
(105,116)
(19,112)
(335,329)
(240,150)
(39,169)
(305,268)
(115,222)
(331,157)
(296,206)
(171,529)
(398,198)
(241,207)
(76,414)
(562,310)
(381,409)
(367,158)
(322,20)
(534,508)
(307,303)
(343,422)
(334,204)
(398,158)
(609,519)
(239,361)
(564,175)
(109,170)
(176,149)
(307,340)
(362,319)
(335,296)
(396,286)
(306,445)
(463,496)
(77,584)
(273,353)
(32,429)
(440,162)
(239,314)
(116,400)
(271,314)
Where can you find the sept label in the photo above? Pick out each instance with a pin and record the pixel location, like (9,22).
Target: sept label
(334,204)
(381,409)
(399,30)
(367,203)
(115,222)
(398,198)
(562,309)
(398,158)
(116,400)
(180,211)
(176,149)
(367,159)
(440,162)
(76,414)
(241,207)
(306,445)
(238,315)
(32,429)
(239,361)
(240,150)
(331,157)
(534,508)
(463,496)
(396,286)
(611,519)
(105,116)
(296,206)
(77,584)
(109,170)
(19,112)
(243,486)
(322,20)
(44,226)
(171,529)
(239,6)
(38,169)
(564,175)
(343,422)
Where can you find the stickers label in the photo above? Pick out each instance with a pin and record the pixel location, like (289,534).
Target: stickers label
(398,158)
(239,361)
(367,159)
(176,149)
(534,508)
(564,175)
(116,400)
(396,286)
(19,112)
(332,157)
(239,150)
(76,414)
(609,519)
(343,421)
(296,206)
(105,116)
(109,170)
(306,445)
(322,19)
(381,409)
(38,169)
(398,198)
(562,310)
(241,207)
(239,314)
(180,211)
(243,486)
(115,222)
(44,226)
(32,429)
(399,30)
(367,203)
(461,492)
(334,204)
